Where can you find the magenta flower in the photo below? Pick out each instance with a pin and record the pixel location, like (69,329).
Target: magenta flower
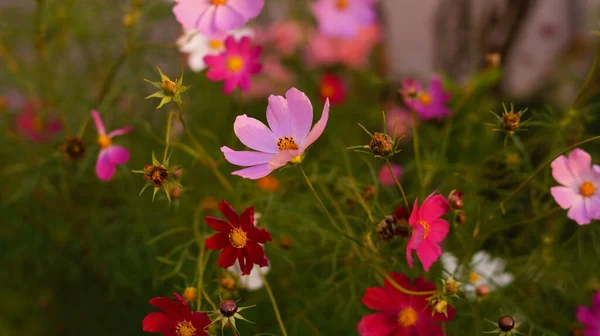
(235,65)
(110,155)
(580,190)
(213,16)
(289,136)
(429,230)
(590,317)
(37,126)
(343,18)
(429,103)
(386,178)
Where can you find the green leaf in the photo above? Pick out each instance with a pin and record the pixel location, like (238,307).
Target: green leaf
(155,84)
(144,188)
(154,194)
(163,102)
(163,77)
(155,161)
(157,94)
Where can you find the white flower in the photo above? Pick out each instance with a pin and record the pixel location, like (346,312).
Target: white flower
(253,281)
(198,45)
(483,270)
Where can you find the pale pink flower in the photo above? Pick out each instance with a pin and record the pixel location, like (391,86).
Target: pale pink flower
(399,122)
(110,156)
(428,103)
(283,36)
(213,16)
(290,134)
(580,190)
(343,18)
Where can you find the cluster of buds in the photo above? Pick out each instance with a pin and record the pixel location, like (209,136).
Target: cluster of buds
(395,224)
(73,148)
(160,176)
(440,301)
(456,204)
(382,145)
(168,89)
(510,121)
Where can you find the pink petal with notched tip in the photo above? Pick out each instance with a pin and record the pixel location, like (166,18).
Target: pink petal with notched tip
(578,211)
(428,252)
(579,164)
(254,172)
(433,207)
(248,8)
(121,131)
(278,116)
(318,129)
(561,172)
(187,12)
(255,134)
(246,158)
(300,112)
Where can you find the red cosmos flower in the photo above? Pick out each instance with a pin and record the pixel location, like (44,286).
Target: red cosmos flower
(176,318)
(401,314)
(332,87)
(238,238)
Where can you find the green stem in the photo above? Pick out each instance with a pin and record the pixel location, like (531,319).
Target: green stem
(389,164)
(335,226)
(415,135)
(168,136)
(273,302)
(541,168)
(400,288)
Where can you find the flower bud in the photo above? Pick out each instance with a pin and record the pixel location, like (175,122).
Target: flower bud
(228,308)
(455,201)
(461,217)
(386,228)
(190,294)
(452,286)
(482,291)
(169,87)
(156,174)
(506,323)
(511,121)
(175,191)
(227,283)
(382,144)
(74,148)
(441,306)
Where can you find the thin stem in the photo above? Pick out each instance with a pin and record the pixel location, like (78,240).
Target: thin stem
(112,73)
(335,226)
(541,168)
(168,135)
(400,288)
(273,302)
(397,183)
(415,135)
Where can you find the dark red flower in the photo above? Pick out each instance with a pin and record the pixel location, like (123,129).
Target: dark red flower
(399,313)
(332,87)
(175,319)
(238,238)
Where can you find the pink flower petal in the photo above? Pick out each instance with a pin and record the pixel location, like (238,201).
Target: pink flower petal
(117,154)
(105,169)
(187,12)
(278,117)
(564,196)
(377,298)
(230,84)
(98,122)
(120,131)
(592,205)
(587,317)
(377,324)
(561,172)
(433,207)
(254,173)
(579,164)
(596,303)
(282,158)
(597,169)
(578,212)
(414,215)
(300,113)
(438,230)
(255,134)
(226,18)
(318,129)
(428,252)
(245,158)
(248,8)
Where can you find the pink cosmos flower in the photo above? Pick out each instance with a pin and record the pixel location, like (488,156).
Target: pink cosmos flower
(428,103)
(35,125)
(399,122)
(580,190)
(274,79)
(429,230)
(213,16)
(110,155)
(590,317)
(343,17)
(289,136)
(401,314)
(386,178)
(283,36)
(235,65)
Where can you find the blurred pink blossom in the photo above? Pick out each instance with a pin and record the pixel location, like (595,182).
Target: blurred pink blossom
(399,122)
(37,126)
(274,79)
(285,37)
(343,18)
(386,178)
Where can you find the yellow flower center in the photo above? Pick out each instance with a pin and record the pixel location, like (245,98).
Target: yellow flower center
(238,238)
(407,317)
(424,98)
(235,63)
(425,226)
(104,141)
(587,189)
(215,44)
(287,143)
(185,328)
(327,90)
(341,4)
(474,277)
(218,2)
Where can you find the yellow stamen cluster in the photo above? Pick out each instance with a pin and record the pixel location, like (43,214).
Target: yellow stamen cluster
(218,2)
(235,63)
(341,4)
(407,317)
(587,189)
(425,98)
(215,44)
(185,328)
(104,141)
(238,238)
(474,277)
(425,226)
(287,143)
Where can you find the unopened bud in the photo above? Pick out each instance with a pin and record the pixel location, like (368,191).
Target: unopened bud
(156,174)
(190,294)
(386,228)
(482,291)
(73,148)
(440,306)
(506,323)
(461,217)
(452,286)
(382,144)
(169,87)
(228,308)
(455,201)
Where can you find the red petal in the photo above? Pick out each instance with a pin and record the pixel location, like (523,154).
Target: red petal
(227,257)
(259,235)
(200,321)
(256,254)
(378,299)
(425,326)
(184,310)
(229,213)
(247,219)
(422,285)
(218,224)
(168,306)
(378,325)
(157,322)
(218,241)
(399,297)
(245,264)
